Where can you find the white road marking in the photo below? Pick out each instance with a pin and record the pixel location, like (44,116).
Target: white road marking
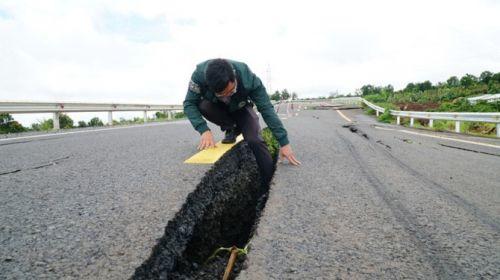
(83,131)
(440,137)
(344,116)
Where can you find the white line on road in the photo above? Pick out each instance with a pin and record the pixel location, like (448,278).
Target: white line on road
(439,137)
(83,131)
(343,116)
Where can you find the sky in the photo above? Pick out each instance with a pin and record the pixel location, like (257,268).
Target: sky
(145,51)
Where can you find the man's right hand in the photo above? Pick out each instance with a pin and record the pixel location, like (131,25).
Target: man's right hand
(206,141)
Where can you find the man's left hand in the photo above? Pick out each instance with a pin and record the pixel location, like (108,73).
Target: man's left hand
(286,152)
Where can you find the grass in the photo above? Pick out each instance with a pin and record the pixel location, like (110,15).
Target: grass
(472,128)
(272,144)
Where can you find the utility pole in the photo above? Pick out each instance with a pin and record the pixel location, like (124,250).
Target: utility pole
(268,72)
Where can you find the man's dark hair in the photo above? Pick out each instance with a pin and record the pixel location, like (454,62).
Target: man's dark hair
(219,72)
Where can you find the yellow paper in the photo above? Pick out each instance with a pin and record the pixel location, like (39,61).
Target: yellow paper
(211,155)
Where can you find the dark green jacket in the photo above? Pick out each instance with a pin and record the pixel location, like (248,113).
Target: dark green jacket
(250,89)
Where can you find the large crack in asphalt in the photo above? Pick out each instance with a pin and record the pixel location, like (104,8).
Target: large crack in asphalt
(222,211)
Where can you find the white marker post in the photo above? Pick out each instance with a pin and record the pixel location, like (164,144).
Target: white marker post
(110,118)
(55,120)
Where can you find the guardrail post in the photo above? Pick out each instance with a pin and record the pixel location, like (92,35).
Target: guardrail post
(431,123)
(145,116)
(169,115)
(377,113)
(110,118)
(457,126)
(398,120)
(498,129)
(412,121)
(55,121)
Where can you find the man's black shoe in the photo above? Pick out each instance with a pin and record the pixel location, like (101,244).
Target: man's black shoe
(230,136)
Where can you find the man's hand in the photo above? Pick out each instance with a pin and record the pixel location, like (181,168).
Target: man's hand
(206,141)
(286,152)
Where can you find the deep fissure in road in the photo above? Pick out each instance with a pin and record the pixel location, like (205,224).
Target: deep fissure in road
(221,212)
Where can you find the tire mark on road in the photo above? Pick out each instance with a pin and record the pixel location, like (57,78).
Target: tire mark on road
(480,215)
(459,201)
(442,266)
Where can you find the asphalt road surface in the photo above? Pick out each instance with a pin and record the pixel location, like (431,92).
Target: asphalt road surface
(382,202)
(369,201)
(91,204)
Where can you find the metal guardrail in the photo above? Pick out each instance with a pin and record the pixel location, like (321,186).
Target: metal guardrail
(348,100)
(458,117)
(57,108)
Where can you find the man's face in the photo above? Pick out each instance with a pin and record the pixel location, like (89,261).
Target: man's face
(229,90)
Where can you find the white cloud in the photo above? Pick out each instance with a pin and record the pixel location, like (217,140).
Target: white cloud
(144,51)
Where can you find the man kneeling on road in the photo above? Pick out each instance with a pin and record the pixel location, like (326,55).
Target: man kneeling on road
(222,91)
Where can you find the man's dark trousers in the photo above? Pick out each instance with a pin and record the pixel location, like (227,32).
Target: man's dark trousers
(248,122)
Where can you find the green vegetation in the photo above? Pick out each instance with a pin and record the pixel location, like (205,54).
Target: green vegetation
(180,115)
(65,122)
(283,95)
(164,116)
(449,96)
(95,122)
(9,125)
(82,124)
(272,144)
(386,117)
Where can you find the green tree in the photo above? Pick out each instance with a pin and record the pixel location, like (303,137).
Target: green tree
(160,115)
(493,87)
(9,125)
(95,121)
(46,124)
(367,89)
(496,77)
(424,86)
(36,126)
(453,81)
(285,95)
(485,77)
(65,121)
(410,87)
(276,96)
(294,96)
(179,115)
(82,124)
(5,118)
(468,80)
